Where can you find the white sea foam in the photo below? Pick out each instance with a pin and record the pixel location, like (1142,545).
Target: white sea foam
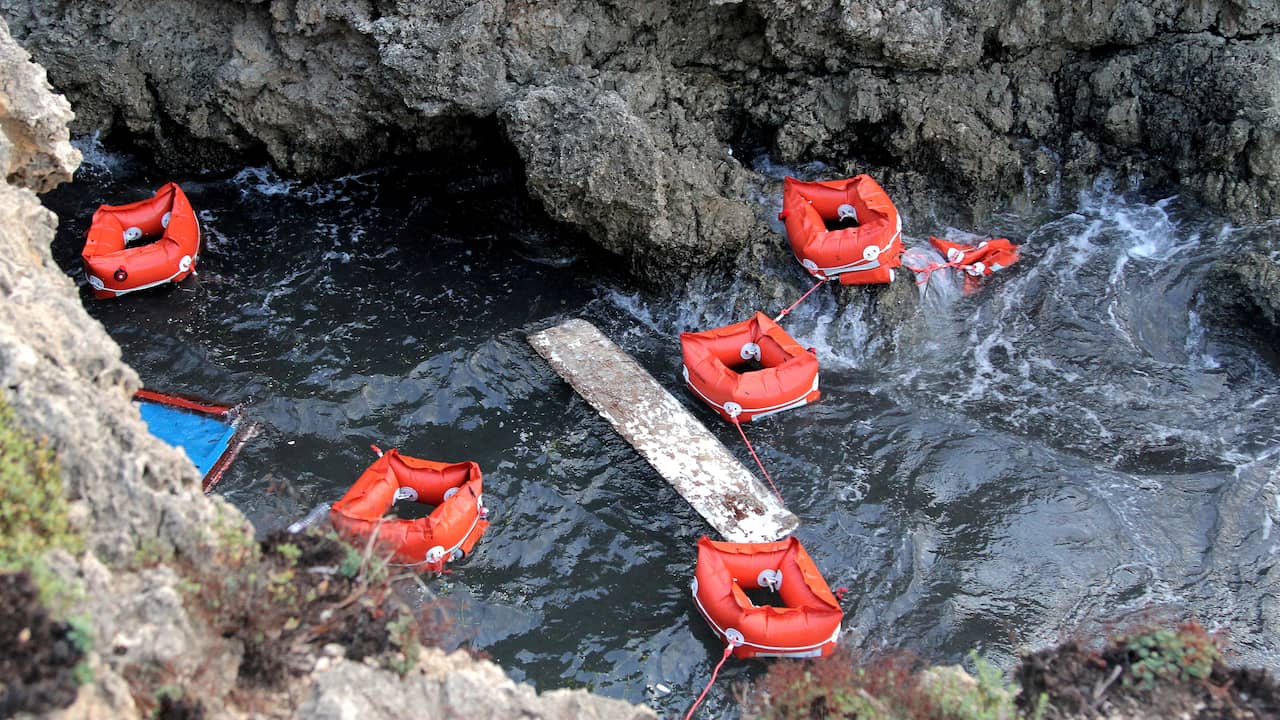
(97,161)
(263,181)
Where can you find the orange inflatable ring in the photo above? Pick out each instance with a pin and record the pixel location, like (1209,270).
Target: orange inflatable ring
(167,217)
(808,625)
(860,255)
(789,377)
(447,534)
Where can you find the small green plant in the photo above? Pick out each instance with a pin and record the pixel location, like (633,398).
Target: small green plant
(984,696)
(33,511)
(289,552)
(33,506)
(293,591)
(1187,653)
(885,687)
(351,562)
(403,633)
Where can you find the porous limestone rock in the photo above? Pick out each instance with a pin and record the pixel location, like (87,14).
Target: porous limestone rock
(452,686)
(35,151)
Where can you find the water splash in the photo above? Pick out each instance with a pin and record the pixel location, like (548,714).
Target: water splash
(96,161)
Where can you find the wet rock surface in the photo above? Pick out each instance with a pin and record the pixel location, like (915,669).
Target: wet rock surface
(1244,288)
(628,115)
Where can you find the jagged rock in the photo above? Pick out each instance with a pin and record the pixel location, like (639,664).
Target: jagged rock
(621,178)
(36,151)
(1243,288)
(451,686)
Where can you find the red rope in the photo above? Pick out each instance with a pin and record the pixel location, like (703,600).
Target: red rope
(928,270)
(757,458)
(728,650)
(793,305)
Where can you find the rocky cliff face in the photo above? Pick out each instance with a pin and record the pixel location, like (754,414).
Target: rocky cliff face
(133,495)
(633,117)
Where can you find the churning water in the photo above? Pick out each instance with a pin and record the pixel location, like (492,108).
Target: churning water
(1065,446)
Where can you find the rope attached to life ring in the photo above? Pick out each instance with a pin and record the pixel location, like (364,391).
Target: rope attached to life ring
(759,464)
(728,650)
(793,305)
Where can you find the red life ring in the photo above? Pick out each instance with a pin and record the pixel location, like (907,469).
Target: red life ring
(447,534)
(114,269)
(860,255)
(808,625)
(788,378)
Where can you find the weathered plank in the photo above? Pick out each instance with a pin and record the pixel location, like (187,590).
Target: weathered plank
(674,442)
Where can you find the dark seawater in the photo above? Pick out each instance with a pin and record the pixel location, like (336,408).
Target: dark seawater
(1066,447)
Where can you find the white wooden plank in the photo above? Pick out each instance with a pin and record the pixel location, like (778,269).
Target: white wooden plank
(674,442)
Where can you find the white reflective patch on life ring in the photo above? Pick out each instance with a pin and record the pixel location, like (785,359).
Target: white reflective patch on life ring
(133,233)
(734,638)
(693,586)
(871,252)
(847,212)
(975,269)
(406,493)
(750,351)
(164,221)
(435,554)
(450,493)
(954,255)
(809,265)
(185,263)
(457,554)
(733,409)
(95,282)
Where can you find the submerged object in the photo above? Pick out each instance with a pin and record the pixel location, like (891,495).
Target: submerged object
(169,231)
(846,229)
(447,534)
(806,625)
(713,367)
(211,435)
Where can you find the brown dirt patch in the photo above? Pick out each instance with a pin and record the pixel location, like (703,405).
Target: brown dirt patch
(37,655)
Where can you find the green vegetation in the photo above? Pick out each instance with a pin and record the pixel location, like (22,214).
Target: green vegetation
(34,520)
(1187,653)
(33,507)
(1159,670)
(289,594)
(886,687)
(986,695)
(80,635)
